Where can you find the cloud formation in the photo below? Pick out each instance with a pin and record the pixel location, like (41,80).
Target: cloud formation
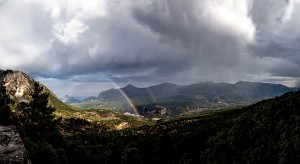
(151,41)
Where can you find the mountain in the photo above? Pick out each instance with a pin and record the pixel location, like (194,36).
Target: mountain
(70,100)
(132,92)
(42,132)
(19,85)
(240,92)
(198,97)
(265,132)
(91,98)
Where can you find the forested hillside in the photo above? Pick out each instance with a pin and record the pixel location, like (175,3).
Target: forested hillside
(266,132)
(172,100)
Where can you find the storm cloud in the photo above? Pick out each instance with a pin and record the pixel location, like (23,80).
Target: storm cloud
(147,42)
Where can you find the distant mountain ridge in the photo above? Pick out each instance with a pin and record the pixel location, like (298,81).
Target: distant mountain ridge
(171,100)
(242,92)
(70,100)
(73,100)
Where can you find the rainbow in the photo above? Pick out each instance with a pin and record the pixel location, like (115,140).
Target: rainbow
(118,87)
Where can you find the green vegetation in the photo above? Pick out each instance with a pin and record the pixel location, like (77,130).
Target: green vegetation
(4,106)
(36,116)
(63,110)
(98,104)
(178,100)
(266,132)
(35,123)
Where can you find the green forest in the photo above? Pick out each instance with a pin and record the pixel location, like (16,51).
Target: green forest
(265,132)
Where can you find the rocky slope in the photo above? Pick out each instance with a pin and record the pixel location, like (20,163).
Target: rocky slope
(19,85)
(12,149)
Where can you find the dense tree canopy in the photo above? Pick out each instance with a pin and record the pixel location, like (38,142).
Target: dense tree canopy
(4,105)
(37,115)
(266,132)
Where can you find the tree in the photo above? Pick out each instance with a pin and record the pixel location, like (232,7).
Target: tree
(37,116)
(131,155)
(5,117)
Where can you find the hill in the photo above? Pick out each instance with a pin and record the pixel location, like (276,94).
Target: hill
(70,100)
(19,85)
(265,132)
(240,92)
(188,99)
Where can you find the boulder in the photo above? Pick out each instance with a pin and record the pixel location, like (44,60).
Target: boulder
(12,149)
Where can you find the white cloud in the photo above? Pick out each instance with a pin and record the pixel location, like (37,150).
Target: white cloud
(20,46)
(69,33)
(233,16)
(55,12)
(166,39)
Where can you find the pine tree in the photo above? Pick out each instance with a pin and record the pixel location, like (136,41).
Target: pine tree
(37,116)
(5,117)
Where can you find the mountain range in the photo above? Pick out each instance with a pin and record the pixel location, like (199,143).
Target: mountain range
(73,100)
(195,97)
(19,87)
(265,132)
(238,93)
(166,98)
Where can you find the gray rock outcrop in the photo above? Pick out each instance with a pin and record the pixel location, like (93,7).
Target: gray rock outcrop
(12,149)
(18,84)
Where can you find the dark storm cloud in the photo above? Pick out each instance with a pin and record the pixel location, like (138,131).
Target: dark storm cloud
(278,36)
(205,39)
(163,37)
(151,41)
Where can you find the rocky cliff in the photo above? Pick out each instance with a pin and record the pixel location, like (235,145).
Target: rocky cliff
(18,84)
(12,149)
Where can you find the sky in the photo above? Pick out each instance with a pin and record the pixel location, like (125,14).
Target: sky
(80,48)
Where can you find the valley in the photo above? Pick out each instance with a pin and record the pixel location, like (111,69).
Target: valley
(164,130)
(173,100)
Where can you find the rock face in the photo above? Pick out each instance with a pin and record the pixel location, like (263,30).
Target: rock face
(18,84)
(12,149)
